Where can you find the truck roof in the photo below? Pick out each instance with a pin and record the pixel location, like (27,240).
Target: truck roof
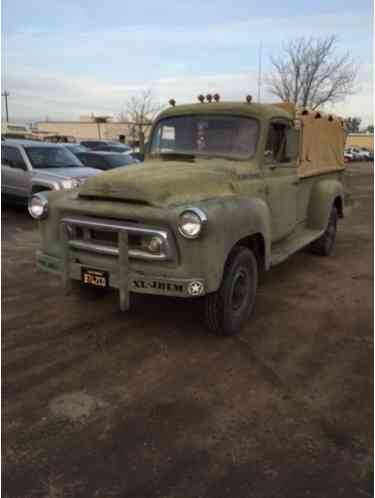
(265,111)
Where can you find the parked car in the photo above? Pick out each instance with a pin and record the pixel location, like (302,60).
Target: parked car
(75,148)
(58,139)
(358,154)
(28,167)
(349,156)
(138,155)
(106,160)
(369,155)
(106,145)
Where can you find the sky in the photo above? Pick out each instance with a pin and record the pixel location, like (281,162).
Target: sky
(63,59)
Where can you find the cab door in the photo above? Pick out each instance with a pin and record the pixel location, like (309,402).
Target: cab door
(280,176)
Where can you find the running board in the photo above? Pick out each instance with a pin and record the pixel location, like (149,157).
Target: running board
(282,250)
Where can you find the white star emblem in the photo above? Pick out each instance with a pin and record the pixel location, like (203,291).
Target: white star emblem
(195,288)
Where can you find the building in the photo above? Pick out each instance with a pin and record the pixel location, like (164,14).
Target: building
(11,130)
(94,127)
(365,140)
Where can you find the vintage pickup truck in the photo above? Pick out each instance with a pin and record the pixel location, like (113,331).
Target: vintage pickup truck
(228,189)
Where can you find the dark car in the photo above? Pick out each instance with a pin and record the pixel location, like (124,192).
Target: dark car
(106,146)
(106,160)
(75,148)
(138,155)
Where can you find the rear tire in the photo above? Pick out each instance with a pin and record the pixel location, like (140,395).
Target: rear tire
(325,245)
(227,309)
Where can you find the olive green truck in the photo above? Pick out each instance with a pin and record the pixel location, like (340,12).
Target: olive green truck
(227,190)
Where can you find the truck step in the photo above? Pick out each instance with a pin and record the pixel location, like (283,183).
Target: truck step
(282,250)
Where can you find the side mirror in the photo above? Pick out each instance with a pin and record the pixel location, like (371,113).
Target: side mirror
(292,144)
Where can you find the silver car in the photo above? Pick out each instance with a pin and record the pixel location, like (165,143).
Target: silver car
(28,167)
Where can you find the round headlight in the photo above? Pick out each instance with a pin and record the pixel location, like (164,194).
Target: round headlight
(38,206)
(191,223)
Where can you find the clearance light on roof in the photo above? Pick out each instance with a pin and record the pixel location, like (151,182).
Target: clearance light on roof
(249,98)
(172,102)
(201,98)
(216,97)
(209,98)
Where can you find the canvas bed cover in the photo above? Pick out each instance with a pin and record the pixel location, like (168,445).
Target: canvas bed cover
(323,143)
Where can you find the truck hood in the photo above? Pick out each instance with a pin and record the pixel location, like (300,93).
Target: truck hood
(160,184)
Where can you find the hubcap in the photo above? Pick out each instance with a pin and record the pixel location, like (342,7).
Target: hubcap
(239,289)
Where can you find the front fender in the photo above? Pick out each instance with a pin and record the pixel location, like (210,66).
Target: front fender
(323,196)
(43,182)
(229,221)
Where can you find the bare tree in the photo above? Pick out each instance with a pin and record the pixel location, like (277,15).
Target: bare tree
(140,110)
(310,73)
(352,124)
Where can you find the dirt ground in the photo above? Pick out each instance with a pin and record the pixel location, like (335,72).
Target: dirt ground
(101,404)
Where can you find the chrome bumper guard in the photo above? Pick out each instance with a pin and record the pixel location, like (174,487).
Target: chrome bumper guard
(121,251)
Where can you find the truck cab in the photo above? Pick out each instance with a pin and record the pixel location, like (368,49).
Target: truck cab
(227,189)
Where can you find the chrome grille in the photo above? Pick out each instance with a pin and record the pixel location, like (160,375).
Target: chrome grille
(101,236)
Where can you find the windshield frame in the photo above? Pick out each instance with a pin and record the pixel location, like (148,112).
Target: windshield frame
(198,154)
(63,150)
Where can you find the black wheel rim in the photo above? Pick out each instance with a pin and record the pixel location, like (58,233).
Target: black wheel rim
(240,289)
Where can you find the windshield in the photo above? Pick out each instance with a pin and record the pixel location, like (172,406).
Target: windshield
(52,157)
(211,135)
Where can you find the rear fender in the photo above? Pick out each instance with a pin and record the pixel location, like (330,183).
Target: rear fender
(325,194)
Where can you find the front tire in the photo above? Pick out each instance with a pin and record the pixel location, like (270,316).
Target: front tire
(227,309)
(325,245)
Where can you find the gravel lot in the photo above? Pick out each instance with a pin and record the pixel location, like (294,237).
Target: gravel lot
(97,403)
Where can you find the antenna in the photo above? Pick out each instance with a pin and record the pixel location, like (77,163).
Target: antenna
(260,71)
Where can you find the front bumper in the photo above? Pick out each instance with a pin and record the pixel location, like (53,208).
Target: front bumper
(124,278)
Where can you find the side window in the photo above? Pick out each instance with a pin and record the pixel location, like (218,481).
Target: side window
(15,159)
(82,157)
(4,159)
(274,151)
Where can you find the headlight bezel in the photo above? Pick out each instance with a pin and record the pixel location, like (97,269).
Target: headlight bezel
(200,215)
(41,197)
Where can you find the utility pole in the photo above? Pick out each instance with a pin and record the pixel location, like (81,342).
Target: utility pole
(5,94)
(260,72)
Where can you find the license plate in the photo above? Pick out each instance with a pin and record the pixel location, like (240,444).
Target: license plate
(96,278)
